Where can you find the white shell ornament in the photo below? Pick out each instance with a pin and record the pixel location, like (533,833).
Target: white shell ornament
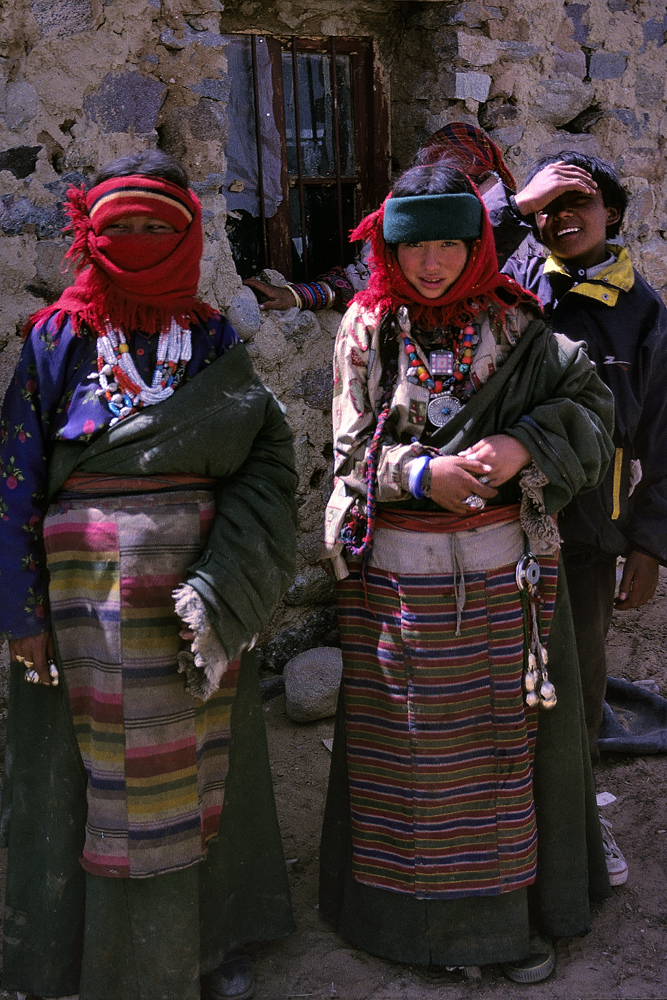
(547,691)
(530,680)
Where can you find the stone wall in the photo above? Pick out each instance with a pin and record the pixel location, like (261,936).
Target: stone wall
(84,81)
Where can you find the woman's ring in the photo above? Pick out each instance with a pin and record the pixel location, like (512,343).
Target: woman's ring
(31,676)
(474,502)
(484,480)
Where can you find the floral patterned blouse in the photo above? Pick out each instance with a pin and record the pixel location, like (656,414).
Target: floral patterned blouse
(51,398)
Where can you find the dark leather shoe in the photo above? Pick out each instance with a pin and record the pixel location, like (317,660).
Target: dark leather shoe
(232,980)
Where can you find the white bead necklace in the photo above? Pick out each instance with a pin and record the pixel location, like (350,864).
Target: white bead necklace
(122,386)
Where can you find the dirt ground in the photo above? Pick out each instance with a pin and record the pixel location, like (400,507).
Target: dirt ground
(625,955)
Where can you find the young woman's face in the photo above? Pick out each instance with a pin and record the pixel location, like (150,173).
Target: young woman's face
(432,266)
(138,225)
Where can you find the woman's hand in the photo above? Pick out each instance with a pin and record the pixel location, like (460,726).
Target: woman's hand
(502,455)
(35,652)
(274,296)
(454,478)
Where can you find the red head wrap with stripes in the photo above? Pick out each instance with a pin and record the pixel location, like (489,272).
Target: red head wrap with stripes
(133,281)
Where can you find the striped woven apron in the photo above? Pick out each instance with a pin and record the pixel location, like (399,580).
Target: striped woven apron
(155,758)
(439,739)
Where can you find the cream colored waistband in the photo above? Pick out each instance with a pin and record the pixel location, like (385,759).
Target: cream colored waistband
(417,552)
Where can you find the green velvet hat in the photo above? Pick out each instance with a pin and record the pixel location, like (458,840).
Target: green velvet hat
(424,217)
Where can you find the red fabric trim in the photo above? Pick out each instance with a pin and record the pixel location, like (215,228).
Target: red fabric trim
(440,522)
(102,483)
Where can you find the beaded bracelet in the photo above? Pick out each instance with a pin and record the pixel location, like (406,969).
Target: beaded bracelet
(315,295)
(297,298)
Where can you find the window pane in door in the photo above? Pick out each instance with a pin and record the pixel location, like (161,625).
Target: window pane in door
(316,111)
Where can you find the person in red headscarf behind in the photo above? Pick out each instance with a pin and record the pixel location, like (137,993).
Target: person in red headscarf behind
(460,816)
(463,145)
(148,531)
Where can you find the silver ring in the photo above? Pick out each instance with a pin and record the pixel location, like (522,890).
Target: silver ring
(31,676)
(53,672)
(484,480)
(474,502)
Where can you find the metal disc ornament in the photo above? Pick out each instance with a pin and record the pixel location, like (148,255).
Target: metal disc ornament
(442,408)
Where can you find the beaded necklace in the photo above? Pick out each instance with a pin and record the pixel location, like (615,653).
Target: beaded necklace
(448,380)
(121,385)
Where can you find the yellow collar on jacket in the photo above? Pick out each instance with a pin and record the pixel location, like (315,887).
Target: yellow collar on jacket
(607,284)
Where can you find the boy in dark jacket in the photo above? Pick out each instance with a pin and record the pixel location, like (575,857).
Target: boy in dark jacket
(590,291)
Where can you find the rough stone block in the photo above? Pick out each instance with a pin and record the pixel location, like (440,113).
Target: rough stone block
(62,17)
(312,680)
(22,105)
(504,138)
(17,214)
(576,13)
(461,86)
(518,51)
(315,387)
(649,88)
(607,65)
(653,262)
(126,102)
(311,586)
(560,100)
(215,89)
(21,160)
(243,313)
(570,62)
(478,50)
(654,31)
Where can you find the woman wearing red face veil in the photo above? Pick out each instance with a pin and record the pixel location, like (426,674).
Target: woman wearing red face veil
(148,530)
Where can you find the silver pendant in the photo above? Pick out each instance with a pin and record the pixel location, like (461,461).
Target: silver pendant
(441,362)
(442,408)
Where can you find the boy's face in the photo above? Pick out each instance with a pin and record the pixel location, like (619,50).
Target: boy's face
(574,227)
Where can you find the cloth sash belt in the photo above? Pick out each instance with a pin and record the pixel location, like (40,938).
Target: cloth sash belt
(102,484)
(436,547)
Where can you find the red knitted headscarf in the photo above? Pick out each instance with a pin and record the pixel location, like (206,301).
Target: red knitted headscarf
(133,281)
(479,286)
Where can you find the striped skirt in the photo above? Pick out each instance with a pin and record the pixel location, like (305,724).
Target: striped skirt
(439,739)
(155,758)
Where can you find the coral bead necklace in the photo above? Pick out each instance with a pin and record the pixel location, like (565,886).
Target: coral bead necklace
(121,385)
(448,376)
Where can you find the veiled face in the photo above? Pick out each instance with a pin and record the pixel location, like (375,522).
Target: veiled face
(432,266)
(138,225)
